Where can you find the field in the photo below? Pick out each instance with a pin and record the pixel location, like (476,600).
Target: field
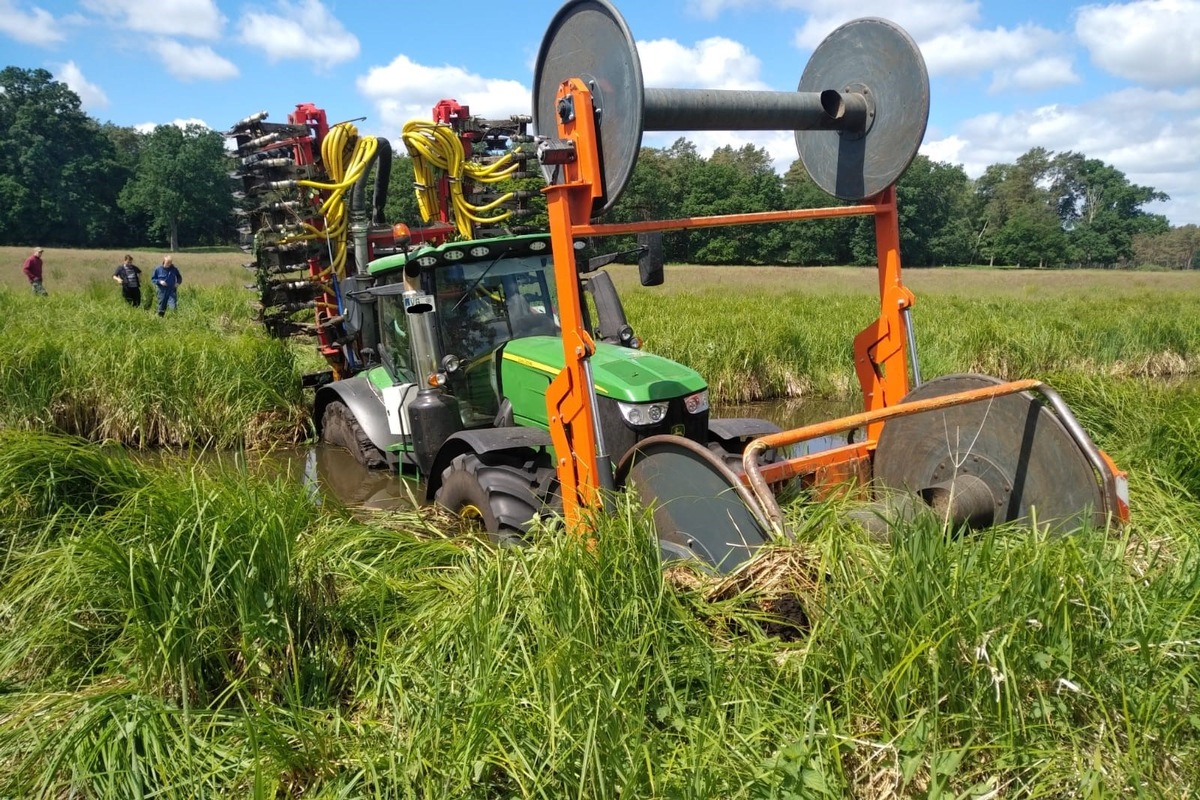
(178,632)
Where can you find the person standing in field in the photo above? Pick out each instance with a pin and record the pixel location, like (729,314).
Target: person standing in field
(130,278)
(166,280)
(33,271)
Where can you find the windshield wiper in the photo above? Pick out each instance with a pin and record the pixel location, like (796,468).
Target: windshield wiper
(471,288)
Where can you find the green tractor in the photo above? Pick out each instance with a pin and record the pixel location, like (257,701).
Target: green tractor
(498,363)
(468,343)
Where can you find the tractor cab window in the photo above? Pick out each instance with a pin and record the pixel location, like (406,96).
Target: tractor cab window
(482,306)
(488,303)
(394,346)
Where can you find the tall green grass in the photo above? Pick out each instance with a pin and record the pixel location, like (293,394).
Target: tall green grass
(169,632)
(204,635)
(762,345)
(85,364)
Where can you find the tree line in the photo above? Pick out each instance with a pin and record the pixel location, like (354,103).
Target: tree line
(70,180)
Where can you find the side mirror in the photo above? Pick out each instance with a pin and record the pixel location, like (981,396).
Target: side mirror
(650,261)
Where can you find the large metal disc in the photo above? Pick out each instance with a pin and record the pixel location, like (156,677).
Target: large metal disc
(588,39)
(876,57)
(700,507)
(1011,449)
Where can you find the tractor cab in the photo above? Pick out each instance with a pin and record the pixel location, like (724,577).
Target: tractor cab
(478,323)
(461,304)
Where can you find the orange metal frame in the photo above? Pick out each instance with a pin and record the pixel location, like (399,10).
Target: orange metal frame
(880,357)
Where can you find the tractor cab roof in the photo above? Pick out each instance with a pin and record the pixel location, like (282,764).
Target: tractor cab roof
(428,257)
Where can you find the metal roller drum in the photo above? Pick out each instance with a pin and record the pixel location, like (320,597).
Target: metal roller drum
(701,510)
(859,115)
(1008,459)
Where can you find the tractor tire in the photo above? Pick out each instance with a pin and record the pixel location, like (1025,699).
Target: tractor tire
(497,495)
(340,428)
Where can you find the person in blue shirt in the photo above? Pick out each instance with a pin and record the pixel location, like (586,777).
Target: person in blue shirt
(166,280)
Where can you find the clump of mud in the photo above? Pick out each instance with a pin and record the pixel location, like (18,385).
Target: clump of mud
(776,592)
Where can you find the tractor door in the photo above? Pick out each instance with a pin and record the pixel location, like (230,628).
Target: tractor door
(481,307)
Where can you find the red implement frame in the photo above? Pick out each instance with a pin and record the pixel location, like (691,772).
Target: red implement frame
(307,151)
(880,357)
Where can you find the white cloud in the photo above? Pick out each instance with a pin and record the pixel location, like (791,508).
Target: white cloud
(711,9)
(715,63)
(969,51)
(1027,57)
(404,90)
(190,63)
(1150,41)
(198,18)
(922,21)
(1147,135)
(1036,76)
(35,26)
(948,150)
(91,96)
(304,30)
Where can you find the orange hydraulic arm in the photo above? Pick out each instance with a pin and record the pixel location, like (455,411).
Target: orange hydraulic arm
(879,349)
(583,464)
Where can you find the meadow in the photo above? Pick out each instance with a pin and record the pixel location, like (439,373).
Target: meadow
(180,632)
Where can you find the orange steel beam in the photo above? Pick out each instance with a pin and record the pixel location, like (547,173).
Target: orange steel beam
(803,465)
(570,398)
(756,476)
(879,349)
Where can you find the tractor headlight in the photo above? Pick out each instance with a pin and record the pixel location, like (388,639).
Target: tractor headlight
(641,414)
(696,403)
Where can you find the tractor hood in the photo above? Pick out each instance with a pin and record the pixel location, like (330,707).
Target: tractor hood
(622,373)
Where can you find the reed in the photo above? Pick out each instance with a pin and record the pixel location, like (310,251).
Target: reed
(172,631)
(762,346)
(84,364)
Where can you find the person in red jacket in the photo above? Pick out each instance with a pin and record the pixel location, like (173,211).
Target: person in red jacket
(33,271)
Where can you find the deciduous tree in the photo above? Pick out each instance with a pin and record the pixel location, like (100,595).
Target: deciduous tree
(58,173)
(181,182)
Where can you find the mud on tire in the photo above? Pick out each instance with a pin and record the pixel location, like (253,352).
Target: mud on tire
(500,495)
(340,428)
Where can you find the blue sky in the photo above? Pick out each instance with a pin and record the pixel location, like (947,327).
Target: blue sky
(1118,81)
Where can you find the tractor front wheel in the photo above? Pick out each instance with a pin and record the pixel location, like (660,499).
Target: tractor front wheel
(499,498)
(340,428)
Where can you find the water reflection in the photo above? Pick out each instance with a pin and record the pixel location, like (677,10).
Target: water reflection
(331,473)
(789,414)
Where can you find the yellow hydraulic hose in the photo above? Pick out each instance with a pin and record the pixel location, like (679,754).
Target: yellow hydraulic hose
(346,158)
(435,147)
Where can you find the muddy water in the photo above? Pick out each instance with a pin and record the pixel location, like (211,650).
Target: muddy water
(329,473)
(332,475)
(789,414)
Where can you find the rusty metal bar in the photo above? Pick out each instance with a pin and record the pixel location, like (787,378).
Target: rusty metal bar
(752,218)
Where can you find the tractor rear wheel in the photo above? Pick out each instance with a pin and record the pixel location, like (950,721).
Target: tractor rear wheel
(339,427)
(494,494)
